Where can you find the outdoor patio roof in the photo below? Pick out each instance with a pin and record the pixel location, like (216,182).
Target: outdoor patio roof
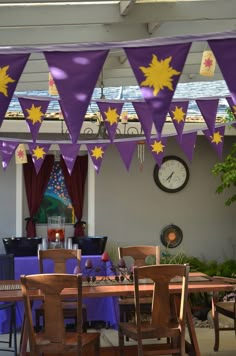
(57,22)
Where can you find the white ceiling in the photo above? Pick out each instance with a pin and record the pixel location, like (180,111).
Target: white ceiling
(41,22)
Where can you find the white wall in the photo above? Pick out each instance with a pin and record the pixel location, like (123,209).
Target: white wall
(7,201)
(131,209)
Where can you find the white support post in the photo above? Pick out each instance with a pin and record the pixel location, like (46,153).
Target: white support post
(91,198)
(19,200)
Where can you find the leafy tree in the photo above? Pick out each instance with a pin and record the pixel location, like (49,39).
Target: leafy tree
(227,172)
(227,169)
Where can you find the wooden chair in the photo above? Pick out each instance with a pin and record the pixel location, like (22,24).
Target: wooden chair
(166,320)
(59,258)
(54,339)
(226,308)
(7,272)
(138,255)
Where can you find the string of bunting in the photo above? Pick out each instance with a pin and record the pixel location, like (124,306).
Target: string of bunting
(157,65)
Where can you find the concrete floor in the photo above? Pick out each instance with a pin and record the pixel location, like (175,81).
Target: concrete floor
(205,337)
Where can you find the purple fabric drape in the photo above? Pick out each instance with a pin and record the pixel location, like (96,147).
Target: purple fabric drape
(35,185)
(75,184)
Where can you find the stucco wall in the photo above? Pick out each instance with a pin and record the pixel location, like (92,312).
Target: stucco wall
(7,202)
(131,209)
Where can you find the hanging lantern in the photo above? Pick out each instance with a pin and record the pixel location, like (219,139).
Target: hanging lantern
(52,89)
(141,152)
(20,154)
(208,64)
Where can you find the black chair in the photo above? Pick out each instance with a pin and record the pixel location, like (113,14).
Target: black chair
(7,272)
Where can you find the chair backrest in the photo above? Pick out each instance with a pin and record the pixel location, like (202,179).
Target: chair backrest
(163,310)
(140,253)
(59,257)
(7,269)
(51,285)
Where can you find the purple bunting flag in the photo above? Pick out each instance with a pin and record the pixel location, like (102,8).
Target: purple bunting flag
(34,113)
(96,153)
(69,153)
(217,139)
(75,75)
(145,117)
(187,143)
(126,150)
(208,110)
(178,111)
(7,150)
(38,152)
(225,54)
(157,70)
(111,114)
(157,148)
(11,67)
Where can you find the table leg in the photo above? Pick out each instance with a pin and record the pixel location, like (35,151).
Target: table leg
(192,348)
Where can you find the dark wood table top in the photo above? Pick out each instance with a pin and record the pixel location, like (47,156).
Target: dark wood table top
(10,290)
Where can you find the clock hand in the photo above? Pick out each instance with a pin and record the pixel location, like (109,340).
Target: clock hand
(170,176)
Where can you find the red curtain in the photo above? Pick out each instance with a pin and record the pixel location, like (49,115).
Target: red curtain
(35,185)
(75,184)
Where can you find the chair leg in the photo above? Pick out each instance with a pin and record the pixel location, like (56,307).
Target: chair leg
(121,343)
(215,317)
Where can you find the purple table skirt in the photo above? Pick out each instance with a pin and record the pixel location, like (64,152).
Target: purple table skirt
(105,309)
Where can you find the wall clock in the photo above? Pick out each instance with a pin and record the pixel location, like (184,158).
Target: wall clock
(172,175)
(171,236)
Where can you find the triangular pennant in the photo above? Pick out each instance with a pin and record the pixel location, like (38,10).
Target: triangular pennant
(111,114)
(187,143)
(145,117)
(7,150)
(157,148)
(126,150)
(96,153)
(38,152)
(178,111)
(34,113)
(232,105)
(208,110)
(75,75)
(11,67)
(69,153)
(225,53)
(52,89)
(20,154)
(217,139)
(157,70)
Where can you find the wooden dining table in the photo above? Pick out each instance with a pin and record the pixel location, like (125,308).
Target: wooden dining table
(198,282)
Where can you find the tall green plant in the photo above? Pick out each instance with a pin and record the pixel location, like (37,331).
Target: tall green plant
(227,172)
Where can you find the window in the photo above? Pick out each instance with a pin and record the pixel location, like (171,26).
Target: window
(56,201)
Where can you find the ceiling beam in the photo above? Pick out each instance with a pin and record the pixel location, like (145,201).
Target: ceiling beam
(72,14)
(126,6)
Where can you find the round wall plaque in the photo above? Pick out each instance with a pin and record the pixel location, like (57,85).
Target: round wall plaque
(171,236)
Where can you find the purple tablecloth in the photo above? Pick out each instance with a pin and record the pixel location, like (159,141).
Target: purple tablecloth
(104,309)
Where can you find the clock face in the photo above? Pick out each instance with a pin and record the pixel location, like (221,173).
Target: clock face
(173,174)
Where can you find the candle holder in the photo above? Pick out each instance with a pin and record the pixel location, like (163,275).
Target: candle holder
(107,273)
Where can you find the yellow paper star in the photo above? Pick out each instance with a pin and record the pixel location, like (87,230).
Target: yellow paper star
(5,80)
(217,137)
(111,116)
(159,74)
(157,147)
(35,114)
(39,152)
(97,152)
(178,114)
